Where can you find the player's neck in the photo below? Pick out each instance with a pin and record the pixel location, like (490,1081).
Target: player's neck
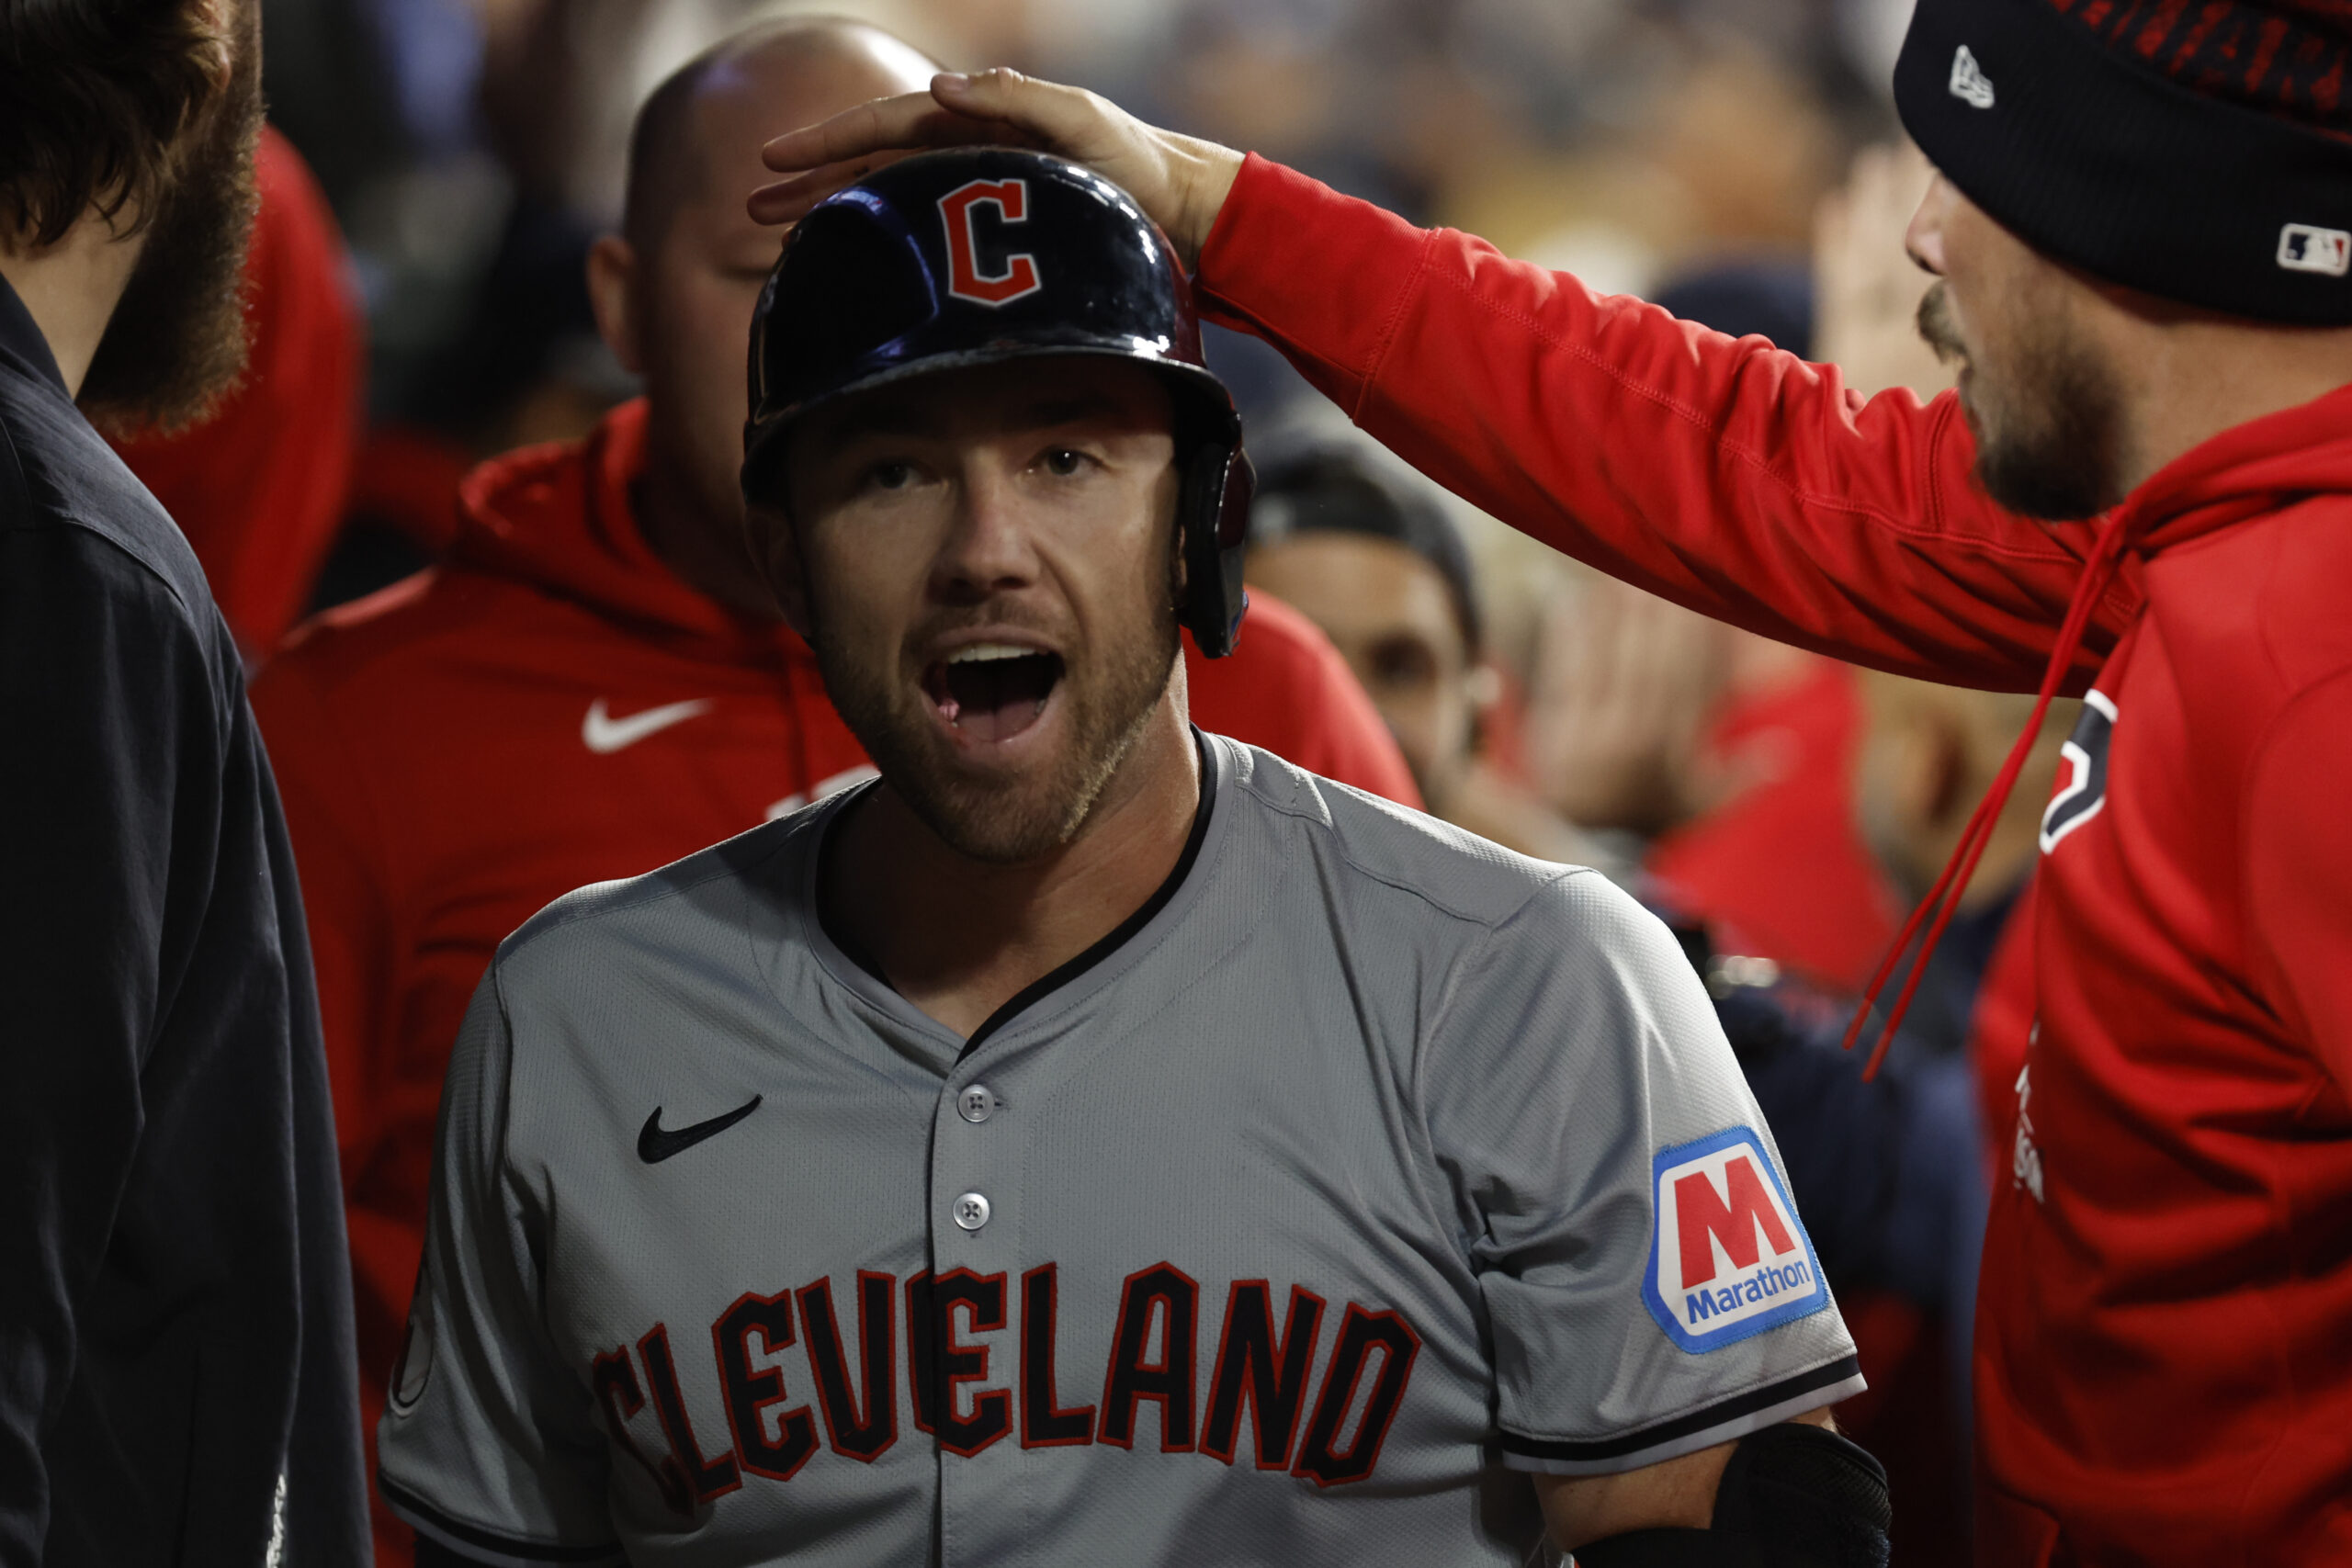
(2194,374)
(959,938)
(708,554)
(71,289)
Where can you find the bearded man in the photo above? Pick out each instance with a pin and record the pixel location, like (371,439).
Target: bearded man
(175,1349)
(2141,226)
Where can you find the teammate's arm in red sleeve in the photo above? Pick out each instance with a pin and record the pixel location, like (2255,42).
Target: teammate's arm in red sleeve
(2298,869)
(347,898)
(1719,473)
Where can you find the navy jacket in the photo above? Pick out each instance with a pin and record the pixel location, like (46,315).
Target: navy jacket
(176,1373)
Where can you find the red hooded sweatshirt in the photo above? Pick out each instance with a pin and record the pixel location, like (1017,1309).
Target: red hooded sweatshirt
(553,708)
(2165,1326)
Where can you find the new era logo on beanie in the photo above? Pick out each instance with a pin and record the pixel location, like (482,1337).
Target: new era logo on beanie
(2199,153)
(1969,82)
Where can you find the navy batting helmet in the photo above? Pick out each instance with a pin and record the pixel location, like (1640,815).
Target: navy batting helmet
(983,255)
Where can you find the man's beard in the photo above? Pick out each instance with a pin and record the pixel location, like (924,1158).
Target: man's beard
(175,344)
(2049,430)
(1008,821)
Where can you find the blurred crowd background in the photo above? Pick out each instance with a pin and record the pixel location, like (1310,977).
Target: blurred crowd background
(438,169)
(470,150)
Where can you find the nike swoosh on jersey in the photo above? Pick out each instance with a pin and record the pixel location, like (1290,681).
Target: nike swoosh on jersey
(654,1145)
(603,734)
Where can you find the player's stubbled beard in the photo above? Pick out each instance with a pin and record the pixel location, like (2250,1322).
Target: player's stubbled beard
(2046,412)
(1107,691)
(176,341)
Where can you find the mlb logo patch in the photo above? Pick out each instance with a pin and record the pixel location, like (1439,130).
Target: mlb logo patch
(1728,1256)
(2305,247)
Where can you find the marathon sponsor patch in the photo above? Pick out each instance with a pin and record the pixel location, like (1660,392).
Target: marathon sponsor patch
(1729,1257)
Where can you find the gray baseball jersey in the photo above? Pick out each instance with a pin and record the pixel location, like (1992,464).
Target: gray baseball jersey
(1367,1164)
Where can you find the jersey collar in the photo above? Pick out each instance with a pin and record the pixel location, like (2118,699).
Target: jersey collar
(855,969)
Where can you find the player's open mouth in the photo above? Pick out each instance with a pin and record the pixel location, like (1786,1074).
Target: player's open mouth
(992,691)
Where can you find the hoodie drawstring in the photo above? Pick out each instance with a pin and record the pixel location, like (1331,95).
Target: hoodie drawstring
(1942,901)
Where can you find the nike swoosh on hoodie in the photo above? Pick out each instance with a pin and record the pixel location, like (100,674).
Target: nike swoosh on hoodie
(603,734)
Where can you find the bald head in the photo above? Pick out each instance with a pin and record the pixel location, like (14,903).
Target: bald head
(675,289)
(784,74)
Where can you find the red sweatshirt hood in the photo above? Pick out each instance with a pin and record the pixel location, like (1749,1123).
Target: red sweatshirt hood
(559,518)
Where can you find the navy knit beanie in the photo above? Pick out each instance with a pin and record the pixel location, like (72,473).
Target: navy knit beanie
(2198,150)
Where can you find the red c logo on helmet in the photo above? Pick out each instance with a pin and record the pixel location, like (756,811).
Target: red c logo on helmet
(1011,198)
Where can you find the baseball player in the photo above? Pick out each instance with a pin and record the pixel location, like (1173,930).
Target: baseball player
(1093,1141)
(586,688)
(2140,493)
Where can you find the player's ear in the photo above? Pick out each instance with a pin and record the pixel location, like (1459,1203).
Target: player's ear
(777,551)
(612,294)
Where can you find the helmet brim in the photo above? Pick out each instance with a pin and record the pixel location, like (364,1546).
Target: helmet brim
(1206,397)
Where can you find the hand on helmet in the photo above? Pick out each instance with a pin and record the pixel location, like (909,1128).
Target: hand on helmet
(1181,181)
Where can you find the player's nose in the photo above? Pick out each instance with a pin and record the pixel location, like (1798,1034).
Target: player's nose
(988,547)
(1923,238)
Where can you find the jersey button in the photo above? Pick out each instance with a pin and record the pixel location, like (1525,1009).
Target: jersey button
(975,1104)
(972,1211)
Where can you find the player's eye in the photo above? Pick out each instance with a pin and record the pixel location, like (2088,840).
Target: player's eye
(892,473)
(1402,662)
(1063,461)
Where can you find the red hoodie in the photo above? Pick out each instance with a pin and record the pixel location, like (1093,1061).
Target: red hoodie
(554,707)
(2164,1326)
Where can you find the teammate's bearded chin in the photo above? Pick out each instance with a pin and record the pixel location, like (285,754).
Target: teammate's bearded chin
(175,344)
(1108,691)
(2044,406)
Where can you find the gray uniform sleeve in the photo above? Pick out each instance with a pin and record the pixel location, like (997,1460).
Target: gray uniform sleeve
(488,1443)
(1650,1289)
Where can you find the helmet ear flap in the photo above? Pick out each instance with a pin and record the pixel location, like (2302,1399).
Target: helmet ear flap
(1240,489)
(1213,509)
